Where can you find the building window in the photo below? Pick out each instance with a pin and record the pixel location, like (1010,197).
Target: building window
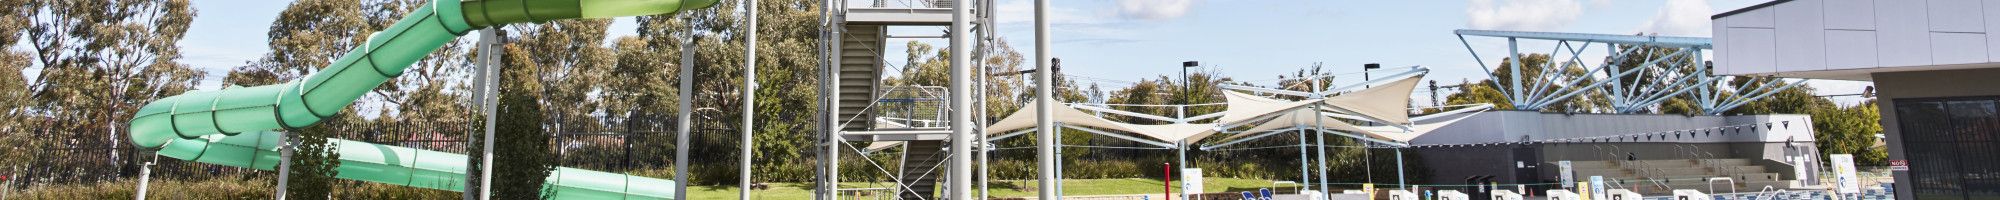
(1951,146)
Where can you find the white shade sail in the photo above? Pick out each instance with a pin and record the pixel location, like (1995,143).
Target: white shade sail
(1245,107)
(1302,117)
(1025,119)
(1388,102)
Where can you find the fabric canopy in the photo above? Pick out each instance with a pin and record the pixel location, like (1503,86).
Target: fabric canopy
(1245,107)
(1418,129)
(1389,102)
(1303,117)
(1025,119)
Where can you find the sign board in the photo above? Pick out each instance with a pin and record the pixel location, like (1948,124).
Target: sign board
(1845,180)
(1568,174)
(1583,192)
(1191,180)
(1899,165)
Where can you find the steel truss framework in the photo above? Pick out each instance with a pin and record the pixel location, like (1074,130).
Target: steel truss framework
(1669,67)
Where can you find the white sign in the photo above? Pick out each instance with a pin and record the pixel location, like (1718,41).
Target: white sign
(1190,180)
(1899,165)
(1845,180)
(1597,187)
(1568,174)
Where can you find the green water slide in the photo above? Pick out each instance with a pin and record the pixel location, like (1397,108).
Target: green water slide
(233,126)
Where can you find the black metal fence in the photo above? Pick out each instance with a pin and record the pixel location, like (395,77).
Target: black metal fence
(66,156)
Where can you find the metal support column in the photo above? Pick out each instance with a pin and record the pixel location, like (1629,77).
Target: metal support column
(1320,136)
(828,184)
(1181,148)
(484,92)
(683,131)
(986,27)
(284,165)
(145,177)
(749,101)
(1045,128)
(1402,181)
(1514,56)
(960,176)
(1305,165)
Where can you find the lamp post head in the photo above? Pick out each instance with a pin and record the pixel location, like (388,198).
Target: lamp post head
(1371,66)
(1190,64)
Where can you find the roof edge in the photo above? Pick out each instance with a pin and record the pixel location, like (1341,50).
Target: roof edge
(1747,9)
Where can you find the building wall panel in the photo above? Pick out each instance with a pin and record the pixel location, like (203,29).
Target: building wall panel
(1991,12)
(1755,50)
(1849,14)
(1721,49)
(1958,16)
(1850,49)
(1958,48)
(1761,18)
(1903,33)
(1801,36)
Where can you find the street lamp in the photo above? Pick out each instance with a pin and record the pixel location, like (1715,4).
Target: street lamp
(1364,72)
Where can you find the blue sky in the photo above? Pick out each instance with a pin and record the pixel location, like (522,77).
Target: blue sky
(1129,40)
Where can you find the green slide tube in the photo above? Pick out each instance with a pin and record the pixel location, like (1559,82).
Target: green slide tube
(231,126)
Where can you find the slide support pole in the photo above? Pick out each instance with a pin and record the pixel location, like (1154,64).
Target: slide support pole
(490,79)
(960,174)
(686,115)
(284,165)
(1045,129)
(749,101)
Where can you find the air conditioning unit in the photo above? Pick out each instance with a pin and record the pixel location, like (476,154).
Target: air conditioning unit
(1623,194)
(1452,195)
(1402,195)
(1506,195)
(1560,194)
(1690,195)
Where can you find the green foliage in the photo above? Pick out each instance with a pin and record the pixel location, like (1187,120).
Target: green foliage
(522,156)
(1851,130)
(314,159)
(1478,93)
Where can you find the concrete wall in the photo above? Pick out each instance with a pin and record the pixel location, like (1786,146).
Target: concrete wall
(1824,35)
(1516,126)
(1487,156)
(1450,165)
(1925,84)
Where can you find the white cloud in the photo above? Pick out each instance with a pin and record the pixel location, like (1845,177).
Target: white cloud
(1154,9)
(1023,11)
(1681,18)
(1523,15)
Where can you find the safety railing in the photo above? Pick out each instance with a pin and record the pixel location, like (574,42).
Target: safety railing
(866,193)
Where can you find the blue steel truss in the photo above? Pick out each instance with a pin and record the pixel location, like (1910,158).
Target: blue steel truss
(1650,83)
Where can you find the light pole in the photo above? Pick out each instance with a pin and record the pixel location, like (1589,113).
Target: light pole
(1364,71)
(1187,84)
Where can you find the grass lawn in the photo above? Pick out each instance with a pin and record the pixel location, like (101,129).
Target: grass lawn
(1005,188)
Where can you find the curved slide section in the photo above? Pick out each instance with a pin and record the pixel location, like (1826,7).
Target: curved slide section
(230,126)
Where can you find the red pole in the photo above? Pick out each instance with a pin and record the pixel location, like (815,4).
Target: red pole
(1167,186)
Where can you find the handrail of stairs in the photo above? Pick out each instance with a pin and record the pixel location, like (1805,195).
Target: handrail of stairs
(1770,192)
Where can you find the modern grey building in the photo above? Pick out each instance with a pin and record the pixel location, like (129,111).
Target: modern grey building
(1648,153)
(1934,66)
